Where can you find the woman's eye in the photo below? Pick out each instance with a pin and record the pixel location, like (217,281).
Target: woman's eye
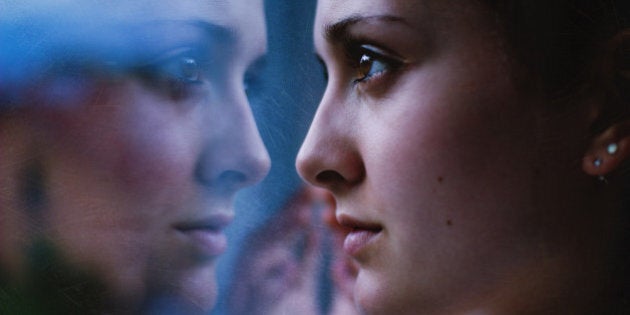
(190,71)
(371,61)
(183,69)
(178,75)
(368,67)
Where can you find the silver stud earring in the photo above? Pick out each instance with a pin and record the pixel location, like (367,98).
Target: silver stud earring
(612,148)
(597,163)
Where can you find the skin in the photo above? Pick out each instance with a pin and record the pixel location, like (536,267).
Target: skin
(124,161)
(481,190)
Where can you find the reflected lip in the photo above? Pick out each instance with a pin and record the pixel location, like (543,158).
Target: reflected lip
(206,234)
(361,233)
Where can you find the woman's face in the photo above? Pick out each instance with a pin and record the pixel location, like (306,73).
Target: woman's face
(139,173)
(436,157)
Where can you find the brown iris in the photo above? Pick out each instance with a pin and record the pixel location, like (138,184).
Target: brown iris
(365,66)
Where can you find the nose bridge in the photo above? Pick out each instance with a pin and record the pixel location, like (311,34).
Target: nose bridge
(233,154)
(330,155)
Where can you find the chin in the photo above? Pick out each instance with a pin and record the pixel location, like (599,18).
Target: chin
(369,295)
(200,289)
(374,295)
(186,293)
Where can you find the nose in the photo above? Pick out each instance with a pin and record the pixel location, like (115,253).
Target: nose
(233,155)
(330,156)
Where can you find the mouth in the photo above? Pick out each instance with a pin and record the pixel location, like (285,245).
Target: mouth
(360,234)
(206,235)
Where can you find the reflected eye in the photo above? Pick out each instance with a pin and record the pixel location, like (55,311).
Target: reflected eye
(178,74)
(183,68)
(370,62)
(190,70)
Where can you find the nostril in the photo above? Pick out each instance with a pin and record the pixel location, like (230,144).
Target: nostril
(231,172)
(329,177)
(230,180)
(232,177)
(227,180)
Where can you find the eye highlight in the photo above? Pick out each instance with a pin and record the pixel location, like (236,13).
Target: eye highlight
(370,62)
(183,67)
(189,70)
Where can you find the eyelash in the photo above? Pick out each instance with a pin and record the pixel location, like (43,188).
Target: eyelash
(371,62)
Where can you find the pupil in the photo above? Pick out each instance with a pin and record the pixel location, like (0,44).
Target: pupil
(190,69)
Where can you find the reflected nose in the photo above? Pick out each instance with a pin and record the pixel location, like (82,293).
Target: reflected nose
(330,155)
(233,155)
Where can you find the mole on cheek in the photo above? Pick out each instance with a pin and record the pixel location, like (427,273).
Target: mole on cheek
(449,222)
(440,179)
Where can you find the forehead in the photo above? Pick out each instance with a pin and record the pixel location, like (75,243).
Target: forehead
(244,18)
(224,11)
(331,11)
(435,16)
(233,13)
(334,8)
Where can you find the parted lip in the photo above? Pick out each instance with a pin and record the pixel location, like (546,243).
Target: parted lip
(215,223)
(354,224)
(359,236)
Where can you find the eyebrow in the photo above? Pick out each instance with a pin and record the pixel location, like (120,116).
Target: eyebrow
(339,31)
(209,31)
(217,32)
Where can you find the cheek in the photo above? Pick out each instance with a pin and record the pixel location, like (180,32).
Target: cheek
(157,154)
(117,173)
(139,145)
(458,163)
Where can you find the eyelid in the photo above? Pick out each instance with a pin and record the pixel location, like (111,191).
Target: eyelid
(380,52)
(353,45)
(171,54)
(183,64)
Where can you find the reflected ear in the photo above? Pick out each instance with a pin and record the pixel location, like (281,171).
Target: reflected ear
(610,147)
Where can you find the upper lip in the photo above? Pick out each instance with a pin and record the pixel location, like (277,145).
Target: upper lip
(216,223)
(354,224)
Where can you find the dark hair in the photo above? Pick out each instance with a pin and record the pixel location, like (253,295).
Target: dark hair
(558,39)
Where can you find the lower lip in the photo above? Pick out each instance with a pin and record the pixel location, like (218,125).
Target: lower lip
(357,240)
(208,242)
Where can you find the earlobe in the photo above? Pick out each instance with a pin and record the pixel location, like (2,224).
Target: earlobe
(610,147)
(608,151)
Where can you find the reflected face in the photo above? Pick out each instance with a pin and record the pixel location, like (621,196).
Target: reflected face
(435,156)
(139,172)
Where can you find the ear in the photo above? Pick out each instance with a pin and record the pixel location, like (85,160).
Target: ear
(610,147)
(608,150)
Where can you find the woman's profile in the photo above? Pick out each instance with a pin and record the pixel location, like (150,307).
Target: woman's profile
(478,153)
(125,132)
